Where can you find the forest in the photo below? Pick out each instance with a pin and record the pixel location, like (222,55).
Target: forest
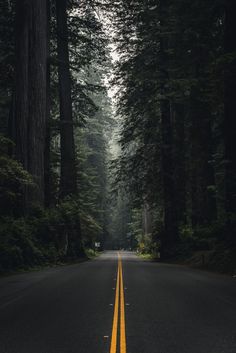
(117,130)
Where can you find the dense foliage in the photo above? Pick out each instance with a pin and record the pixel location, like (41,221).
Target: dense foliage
(171,186)
(178,121)
(54,131)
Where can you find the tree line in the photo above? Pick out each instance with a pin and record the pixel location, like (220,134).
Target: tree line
(55,121)
(177,81)
(171,188)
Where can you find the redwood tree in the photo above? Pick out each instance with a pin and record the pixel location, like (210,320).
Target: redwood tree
(167,168)
(30,92)
(68,165)
(230,104)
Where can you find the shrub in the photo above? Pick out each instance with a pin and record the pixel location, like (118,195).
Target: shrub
(17,246)
(13,180)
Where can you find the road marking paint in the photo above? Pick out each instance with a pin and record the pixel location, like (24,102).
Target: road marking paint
(115,317)
(119,307)
(122,312)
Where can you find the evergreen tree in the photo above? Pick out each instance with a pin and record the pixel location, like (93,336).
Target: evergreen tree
(68,164)
(30,92)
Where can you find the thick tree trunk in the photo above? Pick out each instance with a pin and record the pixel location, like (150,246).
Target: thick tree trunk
(230,105)
(37,96)
(47,159)
(20,133)
(68,165)
(68,182)
(201,170)
(170,235)
(180,161)
(210,184)
(30,93)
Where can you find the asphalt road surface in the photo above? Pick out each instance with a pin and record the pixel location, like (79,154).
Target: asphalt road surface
(118,304)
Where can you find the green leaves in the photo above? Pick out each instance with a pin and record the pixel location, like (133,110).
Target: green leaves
(13,180)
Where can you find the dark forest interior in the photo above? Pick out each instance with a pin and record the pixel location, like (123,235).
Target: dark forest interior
(117,131)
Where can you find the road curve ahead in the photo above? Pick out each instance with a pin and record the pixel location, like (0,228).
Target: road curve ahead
(118,304)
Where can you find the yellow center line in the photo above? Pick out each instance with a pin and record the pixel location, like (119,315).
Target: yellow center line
(115,317)
(119,299)
(122,313)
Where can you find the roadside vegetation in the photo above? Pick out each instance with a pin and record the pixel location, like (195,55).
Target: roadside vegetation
(117,128)
(55,125)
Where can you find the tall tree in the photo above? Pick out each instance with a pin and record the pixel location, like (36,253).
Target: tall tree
(68,162)
(22,81)
(230,104)
(47,152)
(37,94)
(170,215)
(30,91)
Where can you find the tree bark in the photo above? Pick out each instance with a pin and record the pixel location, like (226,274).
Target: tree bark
(21,115)
(68,165)
(230,105)
(30,93)
(180,161)
(170,235)
(37,97)
(68,182)
(47,152)
(203,201)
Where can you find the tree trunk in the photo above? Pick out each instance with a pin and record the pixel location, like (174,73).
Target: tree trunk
(30,93)
(203,201)
(170,216)
(47,159)
(68,182)
(37,96)
(68,165)
(230,105)
(20,133)
(180,161)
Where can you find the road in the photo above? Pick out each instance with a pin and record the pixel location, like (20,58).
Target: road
(118,304)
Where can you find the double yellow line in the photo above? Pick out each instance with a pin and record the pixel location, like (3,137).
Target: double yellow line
(119,304)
